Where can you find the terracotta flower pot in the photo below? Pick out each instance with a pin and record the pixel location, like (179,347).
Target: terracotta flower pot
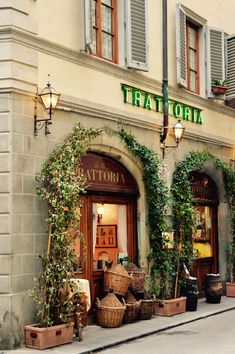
(42,338)
(230,289)
(170,307)
(219,90)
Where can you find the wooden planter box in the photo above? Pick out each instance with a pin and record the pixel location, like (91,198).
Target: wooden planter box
(230,289)
(42,338)
(170,307)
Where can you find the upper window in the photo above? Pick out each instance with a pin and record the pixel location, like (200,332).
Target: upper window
(219,54)
(101,33)
(187,46)
(192,35)
(104,32)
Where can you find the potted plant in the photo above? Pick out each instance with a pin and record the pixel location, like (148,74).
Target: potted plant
(219,87)
(54,326)
(173,261)
(169,301)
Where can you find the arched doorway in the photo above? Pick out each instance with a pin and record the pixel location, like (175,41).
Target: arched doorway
(108,218)
(205,238)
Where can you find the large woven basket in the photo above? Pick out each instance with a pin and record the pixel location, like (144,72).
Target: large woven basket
(117,279)
(110,311)
(146,309)
(137,283)
(132,308)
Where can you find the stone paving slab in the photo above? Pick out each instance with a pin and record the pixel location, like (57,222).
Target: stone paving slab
(96,338)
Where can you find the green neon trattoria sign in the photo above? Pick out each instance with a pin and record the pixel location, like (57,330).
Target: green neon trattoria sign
(150,101)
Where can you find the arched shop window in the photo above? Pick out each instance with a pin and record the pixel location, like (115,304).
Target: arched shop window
(205,237)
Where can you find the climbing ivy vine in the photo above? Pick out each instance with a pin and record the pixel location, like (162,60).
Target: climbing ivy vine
(157,195)
(60,185)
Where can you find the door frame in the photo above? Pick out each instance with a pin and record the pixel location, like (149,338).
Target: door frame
(204,191)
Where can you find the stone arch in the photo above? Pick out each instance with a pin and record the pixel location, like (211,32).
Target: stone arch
(224,228)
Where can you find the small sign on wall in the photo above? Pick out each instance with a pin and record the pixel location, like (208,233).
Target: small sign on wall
(106,236)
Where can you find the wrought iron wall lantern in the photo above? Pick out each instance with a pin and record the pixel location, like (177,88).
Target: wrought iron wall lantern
(100,212)
(49,98)
(178,133)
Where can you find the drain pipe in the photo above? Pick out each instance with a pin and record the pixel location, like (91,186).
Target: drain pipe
(165,73)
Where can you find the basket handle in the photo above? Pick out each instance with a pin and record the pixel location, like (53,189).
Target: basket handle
(98,304)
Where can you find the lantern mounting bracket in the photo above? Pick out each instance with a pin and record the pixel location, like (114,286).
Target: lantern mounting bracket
(40,123)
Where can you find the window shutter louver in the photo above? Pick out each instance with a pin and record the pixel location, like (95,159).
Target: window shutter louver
(136,34)
(230,69)
(88,25)
(215,57)
(181,46)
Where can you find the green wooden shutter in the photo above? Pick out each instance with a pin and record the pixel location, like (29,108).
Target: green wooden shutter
(181,59)
(136,34)
(230,69)
(215,59)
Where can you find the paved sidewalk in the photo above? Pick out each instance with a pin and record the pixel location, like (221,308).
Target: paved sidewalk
(96,338)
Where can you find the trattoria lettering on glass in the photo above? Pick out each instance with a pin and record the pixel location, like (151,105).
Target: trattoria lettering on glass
(97,175)
(150,101)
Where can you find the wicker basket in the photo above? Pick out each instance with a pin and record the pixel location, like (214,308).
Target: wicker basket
(117,279)
(132,308)
(137,283)
(146,309)
(110,311)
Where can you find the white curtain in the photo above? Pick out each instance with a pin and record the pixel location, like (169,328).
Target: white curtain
(122,229)
(94,208)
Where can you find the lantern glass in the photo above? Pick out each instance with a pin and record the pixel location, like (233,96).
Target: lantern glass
(178,131)
(100,210)
(49,98)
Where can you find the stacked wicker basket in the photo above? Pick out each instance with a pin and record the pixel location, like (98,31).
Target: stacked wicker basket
(138,278)
(111,311)
(137,287)
(132,308)
(118,279)
(146,309)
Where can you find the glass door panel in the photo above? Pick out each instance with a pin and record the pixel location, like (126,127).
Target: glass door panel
(202,237)
(109,233)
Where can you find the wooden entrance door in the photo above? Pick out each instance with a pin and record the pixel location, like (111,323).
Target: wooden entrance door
(205,238)
(105,246)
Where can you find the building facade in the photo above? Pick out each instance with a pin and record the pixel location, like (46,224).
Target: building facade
(105,58)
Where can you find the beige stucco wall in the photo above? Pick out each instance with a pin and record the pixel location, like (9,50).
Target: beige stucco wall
(103,90)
